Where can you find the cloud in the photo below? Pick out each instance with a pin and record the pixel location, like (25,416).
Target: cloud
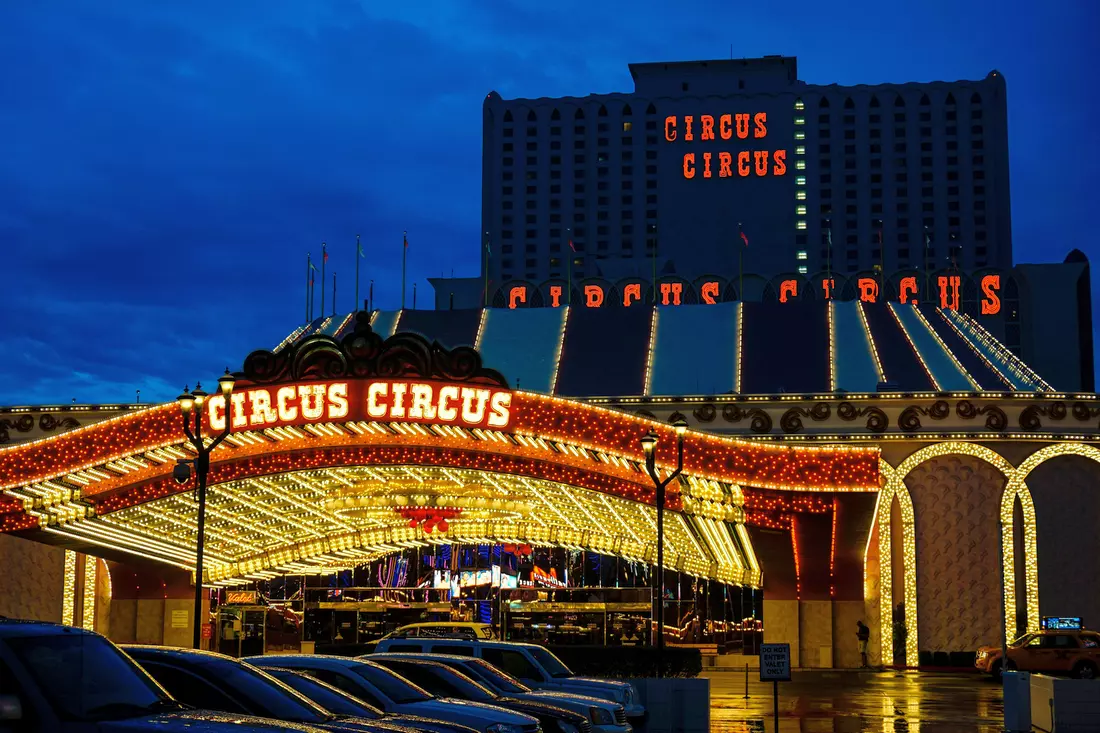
(170,164)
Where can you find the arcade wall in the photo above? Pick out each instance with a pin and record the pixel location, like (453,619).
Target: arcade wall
(34,577)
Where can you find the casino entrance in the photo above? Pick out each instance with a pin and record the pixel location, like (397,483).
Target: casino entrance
(367,483)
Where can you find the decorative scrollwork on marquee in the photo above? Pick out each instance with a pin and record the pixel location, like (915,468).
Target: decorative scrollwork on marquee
(47,423)
(1085,411)
(791,422)
(362,353)
(759,421)
(877,421)
(1030,415)
(909,419)
(705,413)
(995,417)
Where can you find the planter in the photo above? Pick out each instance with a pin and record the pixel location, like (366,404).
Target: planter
(673,704)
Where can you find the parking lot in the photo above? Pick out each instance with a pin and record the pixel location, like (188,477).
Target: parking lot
(848,702)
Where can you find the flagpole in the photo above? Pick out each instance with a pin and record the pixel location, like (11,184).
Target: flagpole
(334,293)
(569,268)
(741,264)
(324,261)
(829,257)
(488,262)
(370,297)
(654,258)
(404,258)
(309,267)
(358,256)
(927,275)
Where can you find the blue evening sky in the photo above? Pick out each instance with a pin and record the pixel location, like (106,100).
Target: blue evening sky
(168,164)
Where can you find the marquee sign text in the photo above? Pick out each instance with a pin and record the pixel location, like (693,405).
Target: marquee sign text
(726,163)
(947,293)
(417,401)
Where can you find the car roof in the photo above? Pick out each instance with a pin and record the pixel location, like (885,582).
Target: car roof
(431,656)
(175,651)
(12,627)
(463,642)
(275,660)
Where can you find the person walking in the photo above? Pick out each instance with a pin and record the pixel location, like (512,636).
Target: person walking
(863,634)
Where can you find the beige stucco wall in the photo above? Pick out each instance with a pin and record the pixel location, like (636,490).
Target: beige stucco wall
(781,625)
(34,576)
(956,500)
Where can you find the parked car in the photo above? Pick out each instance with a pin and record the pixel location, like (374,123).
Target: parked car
(218,682)
(605,716)
(1072,652)
(444,629)
(60,679)
(444,681)
(534,665)
(337,701)
(378,686)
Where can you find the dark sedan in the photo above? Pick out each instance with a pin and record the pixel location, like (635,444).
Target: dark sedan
(337,701)
(444,681)
(217,682)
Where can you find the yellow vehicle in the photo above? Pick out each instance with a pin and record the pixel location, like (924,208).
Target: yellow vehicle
(1073,652)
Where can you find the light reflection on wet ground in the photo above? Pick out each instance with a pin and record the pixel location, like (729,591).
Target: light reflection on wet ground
(853,702)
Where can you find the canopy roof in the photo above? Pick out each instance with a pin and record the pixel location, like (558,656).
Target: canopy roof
(303,482)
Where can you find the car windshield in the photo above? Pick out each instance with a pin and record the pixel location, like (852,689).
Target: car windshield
(1022,640)
(86,678)
(553,666)
(267,695)
(399,690)
(490,676)
(330,698)
(440,680)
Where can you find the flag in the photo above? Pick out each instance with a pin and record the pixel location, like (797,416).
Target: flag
(406,241)
(312,267)
(359,247)
(325,255)
(571,245)
(744,237)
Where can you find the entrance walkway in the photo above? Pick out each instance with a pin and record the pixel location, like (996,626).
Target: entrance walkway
(851,702)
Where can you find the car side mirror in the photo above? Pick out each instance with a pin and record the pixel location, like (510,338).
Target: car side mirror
(10,708)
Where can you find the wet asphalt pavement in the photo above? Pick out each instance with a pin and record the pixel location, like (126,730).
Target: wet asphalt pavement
(850,702)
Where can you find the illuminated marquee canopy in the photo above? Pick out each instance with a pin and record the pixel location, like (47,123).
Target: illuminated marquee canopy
(340,451)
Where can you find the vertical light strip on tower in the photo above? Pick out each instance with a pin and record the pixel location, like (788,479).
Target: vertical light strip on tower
(651,352)
(561,344)
(799,167)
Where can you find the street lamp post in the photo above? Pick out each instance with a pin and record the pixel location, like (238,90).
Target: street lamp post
(188,401)
(649,445)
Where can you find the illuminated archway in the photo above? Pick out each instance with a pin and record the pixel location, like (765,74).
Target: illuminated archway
(1017,487)
(894,486)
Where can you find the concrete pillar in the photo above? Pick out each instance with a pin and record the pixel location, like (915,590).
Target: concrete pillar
(815,634)
(781,624)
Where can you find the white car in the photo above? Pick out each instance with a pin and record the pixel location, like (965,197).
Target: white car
(445,630)
(378,686)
